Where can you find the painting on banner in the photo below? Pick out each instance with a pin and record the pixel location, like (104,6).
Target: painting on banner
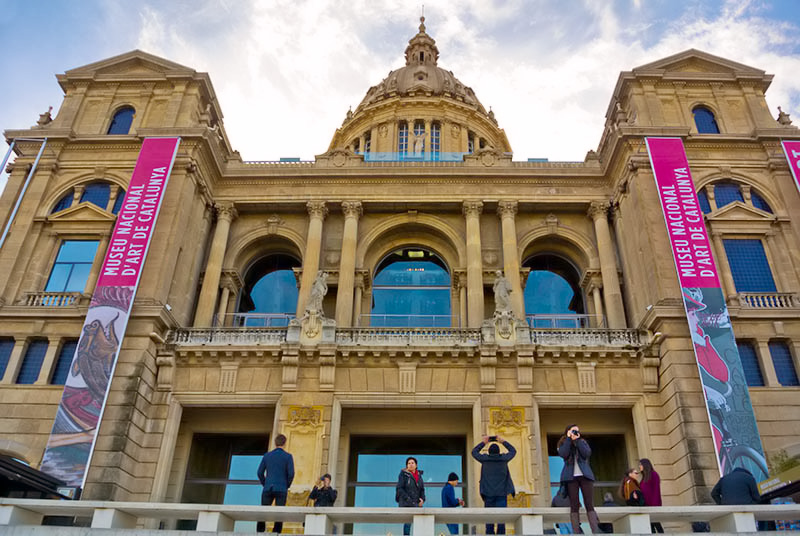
(730,412)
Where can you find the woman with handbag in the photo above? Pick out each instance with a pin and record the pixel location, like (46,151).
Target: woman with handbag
(578,475)
(629,489)
(651,489)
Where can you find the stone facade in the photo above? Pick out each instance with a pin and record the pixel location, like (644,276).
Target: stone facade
(179,374)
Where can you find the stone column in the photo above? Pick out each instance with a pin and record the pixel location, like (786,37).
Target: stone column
(723,268)
(14,361)
(316,212)
(208,292)
(608,266)
(472,212)
(362,285)
(507,210)
(347,264)
(598,306)
(460,281)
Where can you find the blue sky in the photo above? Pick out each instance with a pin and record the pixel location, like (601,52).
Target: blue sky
(286,71)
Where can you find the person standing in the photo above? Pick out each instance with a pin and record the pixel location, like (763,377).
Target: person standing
(737,487)
(449,499)
(275,472)
(323,494)
(578,475)
(651,489)
(496,484)
(410,492)
(629,489)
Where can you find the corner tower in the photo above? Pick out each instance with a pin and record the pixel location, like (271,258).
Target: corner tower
(420,112)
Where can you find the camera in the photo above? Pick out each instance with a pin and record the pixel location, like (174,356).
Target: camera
(492,438)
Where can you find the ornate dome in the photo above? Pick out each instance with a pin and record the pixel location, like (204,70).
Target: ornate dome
(421,76)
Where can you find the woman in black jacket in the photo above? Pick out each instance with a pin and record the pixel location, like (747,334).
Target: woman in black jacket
(579,477)
(410,489)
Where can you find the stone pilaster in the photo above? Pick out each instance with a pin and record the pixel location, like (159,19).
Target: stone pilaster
(608,266)
(208,292)
(507,210)
(472,212)
(316,212)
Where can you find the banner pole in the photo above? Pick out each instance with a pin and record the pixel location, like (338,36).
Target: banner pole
(24,188)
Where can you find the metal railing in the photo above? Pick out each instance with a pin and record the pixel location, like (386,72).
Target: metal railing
(253,320)
(124,517)
(408,321)
(566,321)
(52,299)
(408,337)
(768,300)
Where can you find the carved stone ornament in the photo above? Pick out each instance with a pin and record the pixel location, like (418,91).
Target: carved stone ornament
(490,258)
(383,131)
(488,159)
(455,131)
(304,415)
(783,118)
(352,209)
(317,209)
(472,208)
(226,211)
(507,209)
(507,417)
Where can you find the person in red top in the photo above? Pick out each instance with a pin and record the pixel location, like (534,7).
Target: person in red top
(410,492)
(651,488)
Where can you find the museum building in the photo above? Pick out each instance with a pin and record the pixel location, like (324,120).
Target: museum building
(351,303)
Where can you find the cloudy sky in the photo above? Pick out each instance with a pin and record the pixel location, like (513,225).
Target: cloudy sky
(286,71)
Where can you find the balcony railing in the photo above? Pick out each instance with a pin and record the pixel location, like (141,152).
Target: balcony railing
(124,517)
(768,300)
(408,321)
(587,337)
(408,337)
(52,299)
(566,321)
(228,336)
(253,320)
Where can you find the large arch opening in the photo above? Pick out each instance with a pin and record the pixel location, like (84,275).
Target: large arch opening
(269,295)
(411,288)
(553,296)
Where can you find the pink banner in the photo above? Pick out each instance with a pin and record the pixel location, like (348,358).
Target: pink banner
(685,224)
(792,151)
(74,433)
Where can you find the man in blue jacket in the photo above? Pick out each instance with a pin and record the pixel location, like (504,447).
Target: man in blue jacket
(496,483)
(449,499)
(275,472)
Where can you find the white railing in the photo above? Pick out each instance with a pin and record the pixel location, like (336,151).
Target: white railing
(125,517)
(768,300)
(408,336)
(228,336)
(52,299)
(408,321)
(566,321)
(253,320)
(587,337)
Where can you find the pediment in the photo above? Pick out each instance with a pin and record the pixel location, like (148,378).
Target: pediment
(739,211)
(697,61)
(82,212)
(135,62)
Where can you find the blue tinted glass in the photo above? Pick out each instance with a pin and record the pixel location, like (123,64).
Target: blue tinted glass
(547,293)
(58,278)
(276,292)
(118,201)
(402,138)
(64,202)
(411,307)
(73,264)
(63,363)
(78,278)
(249,494)
(749,265)
(121,124)
(6,345)
(784,365)
(32,362)
(726,193)
(759,202)
(752,371)
(77,251)
(97,193)
(413,273)
(705,206)
(704,119)
(244,466)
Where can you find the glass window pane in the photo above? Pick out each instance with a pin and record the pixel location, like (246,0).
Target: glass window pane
(118,201)
(704,119)
(58,278)
(276,292)
(72,267)
(77,251)
(63,203)
(752,370)
(759,202)
(97,193)
(32,362)
(749,265)
(702,197)
(121,124)
(6,345)
(64,362)
(784,365)
(78,277)
(726,193)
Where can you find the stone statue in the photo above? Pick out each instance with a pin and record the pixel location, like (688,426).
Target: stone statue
(318,291)
(502,293)
(783,118)
(419,144)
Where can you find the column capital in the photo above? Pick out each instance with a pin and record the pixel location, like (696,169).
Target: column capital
(352,209)
(317,209)
(507,209)
(472,208)
(225,211)
(598,209)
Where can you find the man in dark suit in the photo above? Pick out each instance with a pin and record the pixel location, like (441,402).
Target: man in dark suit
(275,472)
(496,483)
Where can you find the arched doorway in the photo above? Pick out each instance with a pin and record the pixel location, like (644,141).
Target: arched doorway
(269,296)
(553,297)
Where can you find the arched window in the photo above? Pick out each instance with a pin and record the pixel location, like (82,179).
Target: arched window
(118,201)
(64,203)
(121,123)
(705,121)
(411,288)
(702,198)
(726,193)
(759,202)
(553,297)
(269,297)
(97,193)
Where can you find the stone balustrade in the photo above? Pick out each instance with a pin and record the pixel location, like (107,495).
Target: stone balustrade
(227,336)
(24,516)
(768,300)
(52,299)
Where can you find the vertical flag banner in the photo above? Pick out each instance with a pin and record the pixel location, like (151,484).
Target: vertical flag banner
(792,151)
(730,412)
(74,433)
